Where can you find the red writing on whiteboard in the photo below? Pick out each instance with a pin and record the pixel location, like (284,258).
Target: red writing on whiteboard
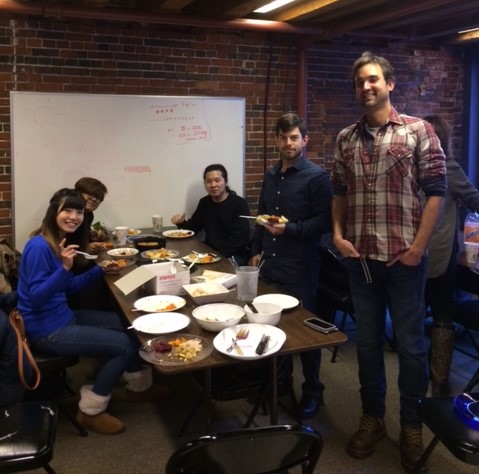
(137,169)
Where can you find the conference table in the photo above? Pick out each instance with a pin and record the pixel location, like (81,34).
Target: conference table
(299,338)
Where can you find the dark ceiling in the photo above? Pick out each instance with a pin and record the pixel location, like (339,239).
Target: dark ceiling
(436,21)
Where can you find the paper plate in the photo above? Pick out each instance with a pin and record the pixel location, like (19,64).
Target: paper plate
(285,301)
(150,254)
(161,323)
(159,303)
(207,258)
(249,345)
(132,232)
(178,234)
(105,263)
(147,350)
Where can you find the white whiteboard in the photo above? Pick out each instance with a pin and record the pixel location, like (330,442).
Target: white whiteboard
(150,151)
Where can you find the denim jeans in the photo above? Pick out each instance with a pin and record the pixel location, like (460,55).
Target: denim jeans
(399,289)
(98,334)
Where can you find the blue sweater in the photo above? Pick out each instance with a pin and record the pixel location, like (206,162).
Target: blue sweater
(43,286)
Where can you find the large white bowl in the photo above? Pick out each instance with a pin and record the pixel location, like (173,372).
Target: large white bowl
(123,253)
(268,313)
(217,316)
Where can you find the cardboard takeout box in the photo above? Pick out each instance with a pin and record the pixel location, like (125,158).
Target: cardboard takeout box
(166,278)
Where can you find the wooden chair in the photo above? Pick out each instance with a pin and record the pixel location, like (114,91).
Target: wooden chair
(271,449)
(439,415)
(27,436)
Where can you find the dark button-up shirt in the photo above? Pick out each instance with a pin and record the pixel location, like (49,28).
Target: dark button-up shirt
(302,194)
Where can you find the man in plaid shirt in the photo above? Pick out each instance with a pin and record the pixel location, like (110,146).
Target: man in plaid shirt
(379,226)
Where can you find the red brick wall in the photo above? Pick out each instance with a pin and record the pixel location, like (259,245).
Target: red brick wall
(84,56)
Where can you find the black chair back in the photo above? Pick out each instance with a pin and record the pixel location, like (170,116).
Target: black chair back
(271,449)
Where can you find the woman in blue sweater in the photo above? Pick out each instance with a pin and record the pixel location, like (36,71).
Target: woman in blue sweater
(54,328)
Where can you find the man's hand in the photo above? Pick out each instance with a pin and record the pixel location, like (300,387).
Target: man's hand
(275,229)
(345,247)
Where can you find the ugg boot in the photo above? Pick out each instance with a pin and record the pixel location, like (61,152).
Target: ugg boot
(140,388)
(92,413)
(440,358)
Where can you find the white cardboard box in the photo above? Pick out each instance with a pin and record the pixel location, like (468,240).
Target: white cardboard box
(166,278)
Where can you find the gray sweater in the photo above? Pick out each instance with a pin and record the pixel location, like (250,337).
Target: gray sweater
(459,189)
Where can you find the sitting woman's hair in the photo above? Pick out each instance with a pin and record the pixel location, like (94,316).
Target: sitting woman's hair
(222,170)
(65,198)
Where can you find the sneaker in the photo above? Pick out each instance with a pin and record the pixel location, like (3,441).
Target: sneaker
(370,431)
(411,447)
(309,405)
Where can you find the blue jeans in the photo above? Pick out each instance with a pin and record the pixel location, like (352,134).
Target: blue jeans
(98,334)
(400,289)
(310,360)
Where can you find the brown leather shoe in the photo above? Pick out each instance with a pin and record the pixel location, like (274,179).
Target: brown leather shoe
(102,423)
(362,443)
(411,447)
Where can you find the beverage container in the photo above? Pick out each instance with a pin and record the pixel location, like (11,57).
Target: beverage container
(121,234)
(247,286)
(157,222)
(471,227)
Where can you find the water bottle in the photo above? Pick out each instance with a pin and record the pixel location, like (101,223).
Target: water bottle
(471,227)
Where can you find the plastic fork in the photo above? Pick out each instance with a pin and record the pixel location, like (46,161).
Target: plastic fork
(87,255)
(241,334)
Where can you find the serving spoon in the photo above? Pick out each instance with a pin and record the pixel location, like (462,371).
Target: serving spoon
(87,255)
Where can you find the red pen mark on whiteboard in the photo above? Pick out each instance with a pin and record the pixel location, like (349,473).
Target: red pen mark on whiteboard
(137,169)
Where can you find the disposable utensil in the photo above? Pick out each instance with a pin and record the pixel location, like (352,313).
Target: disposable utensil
(87,255)
(234,263)
(193,262)
(248,217)
(241,334)
(253,308)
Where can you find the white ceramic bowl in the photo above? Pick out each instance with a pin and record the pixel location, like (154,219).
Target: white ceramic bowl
(217,316)
(126,252)
(268,313)
(204,293)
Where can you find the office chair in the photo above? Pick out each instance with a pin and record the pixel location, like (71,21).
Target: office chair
(27,436)
(54,383)
(271,449)
(440,416)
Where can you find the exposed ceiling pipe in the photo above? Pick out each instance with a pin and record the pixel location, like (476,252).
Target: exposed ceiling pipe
(49,10)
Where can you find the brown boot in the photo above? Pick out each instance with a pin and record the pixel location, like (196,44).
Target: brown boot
(102,423)
(440,358)
(411,447)
(363,442)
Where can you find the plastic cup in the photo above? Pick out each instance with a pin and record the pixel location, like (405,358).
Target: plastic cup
(157,221)
(121,234)
(472,251)
(247,285)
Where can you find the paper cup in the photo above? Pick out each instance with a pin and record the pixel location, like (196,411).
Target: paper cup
(121,234)
(472,251)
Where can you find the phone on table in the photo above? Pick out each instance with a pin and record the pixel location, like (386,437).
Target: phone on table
(320,325)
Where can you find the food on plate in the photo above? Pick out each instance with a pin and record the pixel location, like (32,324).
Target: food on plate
(126,252)
(179,233)
(267,219)
(168,307)
(160,253)
(134,231)
(113,265)
(180,349)
(147,244)
(202,258)
(99,233)
(200,292)
(106,245)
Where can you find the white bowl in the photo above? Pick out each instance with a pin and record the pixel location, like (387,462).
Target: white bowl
(268,313)
(204,293)
(217,316)
(125,252)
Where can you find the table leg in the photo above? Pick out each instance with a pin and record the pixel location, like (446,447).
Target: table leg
(274,391)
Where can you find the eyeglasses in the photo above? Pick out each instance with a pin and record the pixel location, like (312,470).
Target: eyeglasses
(92,197)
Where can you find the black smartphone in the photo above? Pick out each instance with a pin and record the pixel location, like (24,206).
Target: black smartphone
(320,325)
